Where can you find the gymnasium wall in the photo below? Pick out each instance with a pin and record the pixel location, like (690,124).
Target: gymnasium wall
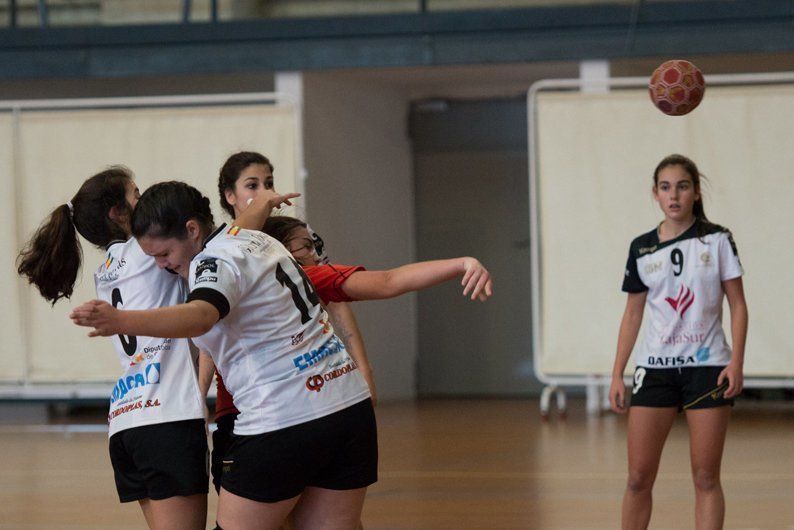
(596,155)
(361,199)
(55,152)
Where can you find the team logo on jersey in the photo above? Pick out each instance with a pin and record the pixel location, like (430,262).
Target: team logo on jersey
(297,338)
(207,265)
(683,301)
(331,347)
(315,383)
(150,352)
(210,266)
(705,259)
(233,230)
(653,267)
(150,376)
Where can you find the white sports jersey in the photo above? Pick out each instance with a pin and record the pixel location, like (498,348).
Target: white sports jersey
(273,346)
(159,383)
(683,277)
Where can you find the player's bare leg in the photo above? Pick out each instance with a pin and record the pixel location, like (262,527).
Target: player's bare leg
(176,513)
(321,508)
(239,513)
(707,429)
(648,430)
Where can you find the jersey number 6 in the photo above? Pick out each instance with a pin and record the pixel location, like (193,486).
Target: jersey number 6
(131,344)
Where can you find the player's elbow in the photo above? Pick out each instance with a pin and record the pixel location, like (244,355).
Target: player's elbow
(389,285)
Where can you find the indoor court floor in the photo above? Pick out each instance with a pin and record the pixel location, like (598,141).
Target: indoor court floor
(450,464)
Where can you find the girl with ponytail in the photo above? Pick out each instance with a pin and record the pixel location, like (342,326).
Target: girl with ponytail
(100,211)
(680,271)
(156,417)
(158,445)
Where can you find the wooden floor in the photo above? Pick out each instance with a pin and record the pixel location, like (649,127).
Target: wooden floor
(452,465)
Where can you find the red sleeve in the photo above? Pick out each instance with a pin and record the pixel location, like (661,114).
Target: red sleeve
(223,402)
(328,280)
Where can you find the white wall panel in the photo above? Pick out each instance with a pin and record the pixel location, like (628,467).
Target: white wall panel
(596,158)
(59,149)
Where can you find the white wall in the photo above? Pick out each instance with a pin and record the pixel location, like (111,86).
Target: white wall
(360,199)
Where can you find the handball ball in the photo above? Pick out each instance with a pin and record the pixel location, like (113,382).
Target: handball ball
(677,87)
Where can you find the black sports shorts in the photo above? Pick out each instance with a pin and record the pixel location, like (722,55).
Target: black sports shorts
(338,452)
(221,439)
(685,388)
(160,461)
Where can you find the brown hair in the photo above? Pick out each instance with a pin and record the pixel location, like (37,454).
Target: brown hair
(52,257)
(231,170)
(279,227)
(690,167)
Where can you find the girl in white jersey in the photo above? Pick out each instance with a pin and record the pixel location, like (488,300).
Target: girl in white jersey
(158,446)
(305,437)
(242,178)
(680,271)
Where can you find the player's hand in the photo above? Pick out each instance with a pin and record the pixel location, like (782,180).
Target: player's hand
(98,315)
(617,395)
(476,280)
(735,377)
(273,199)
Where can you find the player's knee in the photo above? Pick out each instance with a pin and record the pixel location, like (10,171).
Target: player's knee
(640,481)
(705,479)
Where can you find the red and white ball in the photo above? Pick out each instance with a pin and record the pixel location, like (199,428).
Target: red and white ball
(677,87)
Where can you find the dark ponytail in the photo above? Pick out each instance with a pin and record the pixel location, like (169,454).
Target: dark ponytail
(52,257)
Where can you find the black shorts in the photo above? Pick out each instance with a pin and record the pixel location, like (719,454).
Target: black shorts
(684,388)
(338,452)
(221,439)
(160,461)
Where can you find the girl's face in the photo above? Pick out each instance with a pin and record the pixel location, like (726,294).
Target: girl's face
(121,216)
(301,246)
(252,181)
(676,193)
(132,194)
(173,253)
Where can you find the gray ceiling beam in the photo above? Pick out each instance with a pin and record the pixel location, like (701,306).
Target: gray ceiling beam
(435,38)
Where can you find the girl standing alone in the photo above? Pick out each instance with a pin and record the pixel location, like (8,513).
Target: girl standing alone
(680,271)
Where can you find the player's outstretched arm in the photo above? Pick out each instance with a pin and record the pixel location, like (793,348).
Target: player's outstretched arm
(375,285)
(184,320)
(259,209)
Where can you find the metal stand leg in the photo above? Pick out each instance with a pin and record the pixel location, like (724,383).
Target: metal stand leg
(545,401)
(593,392)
